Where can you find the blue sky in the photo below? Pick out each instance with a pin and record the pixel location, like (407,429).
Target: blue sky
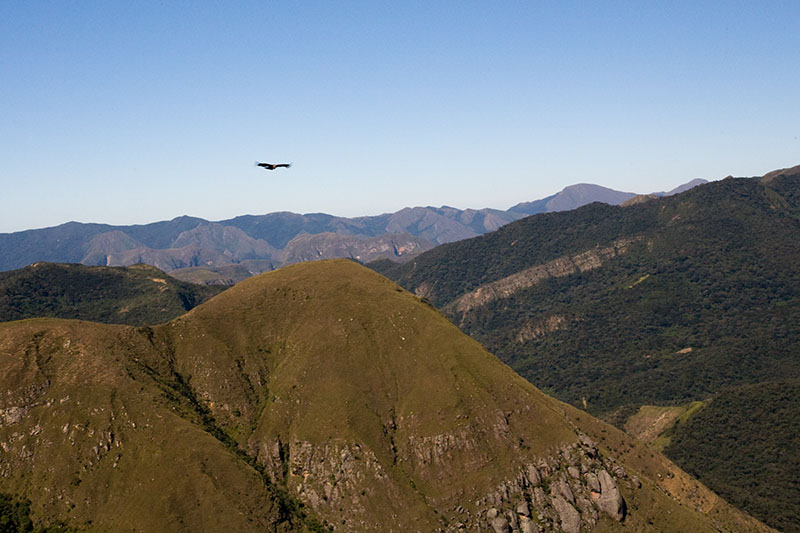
(133,112)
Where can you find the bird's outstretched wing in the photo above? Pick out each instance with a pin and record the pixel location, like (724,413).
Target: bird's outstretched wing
(271,166)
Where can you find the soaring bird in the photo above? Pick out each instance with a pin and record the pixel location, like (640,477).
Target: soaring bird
(271,166)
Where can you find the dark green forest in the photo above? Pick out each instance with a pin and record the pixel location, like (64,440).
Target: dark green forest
(744,446)
(136,295)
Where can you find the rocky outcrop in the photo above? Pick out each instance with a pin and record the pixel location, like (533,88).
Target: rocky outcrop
(397,247)
(500,525)
(13,414)
(563,492)
(536,329)
(559,267)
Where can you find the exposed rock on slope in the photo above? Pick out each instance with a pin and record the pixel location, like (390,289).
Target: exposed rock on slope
(400,248)
(559,267)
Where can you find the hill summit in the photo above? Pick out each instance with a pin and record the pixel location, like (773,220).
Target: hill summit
(318,395)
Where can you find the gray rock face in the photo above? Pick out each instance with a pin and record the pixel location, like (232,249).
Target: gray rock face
(523,509)
(592,482)
(580,486)
(526,525)
(589,446)
(513,520)
(533,475)
(609,500)
(539,498)
(561,487)
(500,525)
(570,517)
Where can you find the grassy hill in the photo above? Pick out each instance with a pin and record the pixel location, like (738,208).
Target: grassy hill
(316,392)
(135,295)
(610,308)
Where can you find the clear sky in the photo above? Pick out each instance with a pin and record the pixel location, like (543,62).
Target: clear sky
(134,112)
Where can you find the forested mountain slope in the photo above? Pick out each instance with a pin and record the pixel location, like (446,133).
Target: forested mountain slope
(662,302)
(136,295)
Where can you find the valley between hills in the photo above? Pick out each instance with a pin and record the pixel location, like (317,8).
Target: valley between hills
(323,396)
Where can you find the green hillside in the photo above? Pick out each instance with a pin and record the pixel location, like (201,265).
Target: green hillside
(659,303)
(135,295)
(318,392)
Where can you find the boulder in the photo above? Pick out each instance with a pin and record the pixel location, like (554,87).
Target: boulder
(593,483)
(523,509)
(561,487)
(533,475)
(570,517)
(513,520)
(610,500)
(539,498)
(500,525)
(526,525)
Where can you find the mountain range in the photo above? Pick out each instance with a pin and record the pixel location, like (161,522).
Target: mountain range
(227,251)
(320,396)
(676,317)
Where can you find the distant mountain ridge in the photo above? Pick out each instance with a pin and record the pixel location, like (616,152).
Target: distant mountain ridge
(274,239)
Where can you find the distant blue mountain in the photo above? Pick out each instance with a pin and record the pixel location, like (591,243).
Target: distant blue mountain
(278,238)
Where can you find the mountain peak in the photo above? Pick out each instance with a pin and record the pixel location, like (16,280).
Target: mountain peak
(580,194)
